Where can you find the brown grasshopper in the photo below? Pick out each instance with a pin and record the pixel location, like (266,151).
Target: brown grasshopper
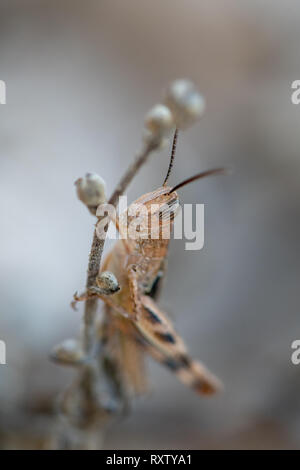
(134,323)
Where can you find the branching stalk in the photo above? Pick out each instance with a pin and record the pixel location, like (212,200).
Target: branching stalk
(84,387)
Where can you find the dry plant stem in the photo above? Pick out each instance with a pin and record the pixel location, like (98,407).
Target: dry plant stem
(131,172)
(90,307)
(93,417)
(90,310)
(98,245)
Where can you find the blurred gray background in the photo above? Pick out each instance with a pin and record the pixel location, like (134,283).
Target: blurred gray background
(80,77)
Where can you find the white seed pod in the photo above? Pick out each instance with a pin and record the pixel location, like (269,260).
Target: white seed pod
(91,191)
(185,102)
(159,120)
(107,283)
(68,352)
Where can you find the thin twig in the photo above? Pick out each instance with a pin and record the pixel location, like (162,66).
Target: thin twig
(132,171)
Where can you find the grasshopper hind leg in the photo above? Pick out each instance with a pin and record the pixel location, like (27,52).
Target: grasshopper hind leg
(160,340)
(155,289)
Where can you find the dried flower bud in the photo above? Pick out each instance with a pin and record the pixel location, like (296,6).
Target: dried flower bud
(91,191)
(68,352)
(158,124)
(185,102)
(159,120)
(107,283)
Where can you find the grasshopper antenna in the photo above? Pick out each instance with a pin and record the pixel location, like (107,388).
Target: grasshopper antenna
(172,156)
(215,171)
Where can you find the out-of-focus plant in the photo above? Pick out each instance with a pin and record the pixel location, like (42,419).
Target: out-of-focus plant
(98,393)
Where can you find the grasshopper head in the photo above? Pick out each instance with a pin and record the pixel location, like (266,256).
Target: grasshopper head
(151,216)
